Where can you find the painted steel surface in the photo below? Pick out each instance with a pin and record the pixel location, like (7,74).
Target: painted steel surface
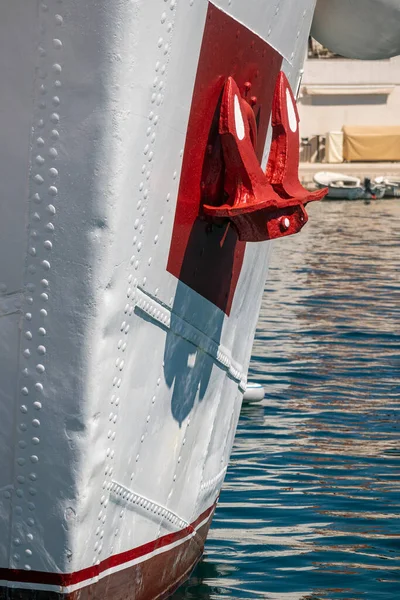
(121,385)
(367,29)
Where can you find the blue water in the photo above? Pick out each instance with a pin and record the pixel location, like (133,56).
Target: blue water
(310,506)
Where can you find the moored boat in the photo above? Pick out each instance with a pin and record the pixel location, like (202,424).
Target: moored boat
(392,186)
(346,187)
(134,246)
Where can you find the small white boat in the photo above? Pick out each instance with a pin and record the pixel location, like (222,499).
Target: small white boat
(392,186)
(340,185)
(346,187)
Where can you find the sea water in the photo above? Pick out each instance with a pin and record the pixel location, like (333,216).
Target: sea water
(310,508)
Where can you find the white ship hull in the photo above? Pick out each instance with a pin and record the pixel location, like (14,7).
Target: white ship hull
(124,353)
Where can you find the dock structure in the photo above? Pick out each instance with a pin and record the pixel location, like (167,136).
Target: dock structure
(338,96)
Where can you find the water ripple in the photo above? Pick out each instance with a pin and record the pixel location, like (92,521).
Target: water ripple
(310,509)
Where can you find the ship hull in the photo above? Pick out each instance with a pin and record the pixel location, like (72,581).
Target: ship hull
(126,320)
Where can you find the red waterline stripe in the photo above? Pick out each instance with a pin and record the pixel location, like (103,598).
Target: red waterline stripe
(68,579)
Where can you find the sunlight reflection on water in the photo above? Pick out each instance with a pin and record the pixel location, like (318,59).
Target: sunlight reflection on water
(310,505)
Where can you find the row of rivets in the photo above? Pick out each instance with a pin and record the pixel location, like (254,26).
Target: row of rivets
(34,350)
(135,260)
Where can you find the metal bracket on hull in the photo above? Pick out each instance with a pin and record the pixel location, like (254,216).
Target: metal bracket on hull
(134,501)
(167,319)
(259,206)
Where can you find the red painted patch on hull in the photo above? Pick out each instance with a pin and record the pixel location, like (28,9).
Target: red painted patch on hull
(154,578)
(209,259)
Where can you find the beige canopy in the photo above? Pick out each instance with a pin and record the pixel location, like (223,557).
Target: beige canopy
(371,143)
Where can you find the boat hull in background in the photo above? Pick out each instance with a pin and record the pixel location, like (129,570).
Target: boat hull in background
(366,29)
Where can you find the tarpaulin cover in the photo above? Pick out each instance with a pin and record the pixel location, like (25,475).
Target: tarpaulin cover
(371,143)
(334,147)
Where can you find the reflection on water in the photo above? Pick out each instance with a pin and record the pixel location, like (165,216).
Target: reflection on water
(310,506)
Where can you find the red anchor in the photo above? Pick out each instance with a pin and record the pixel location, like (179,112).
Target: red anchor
(261,206)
